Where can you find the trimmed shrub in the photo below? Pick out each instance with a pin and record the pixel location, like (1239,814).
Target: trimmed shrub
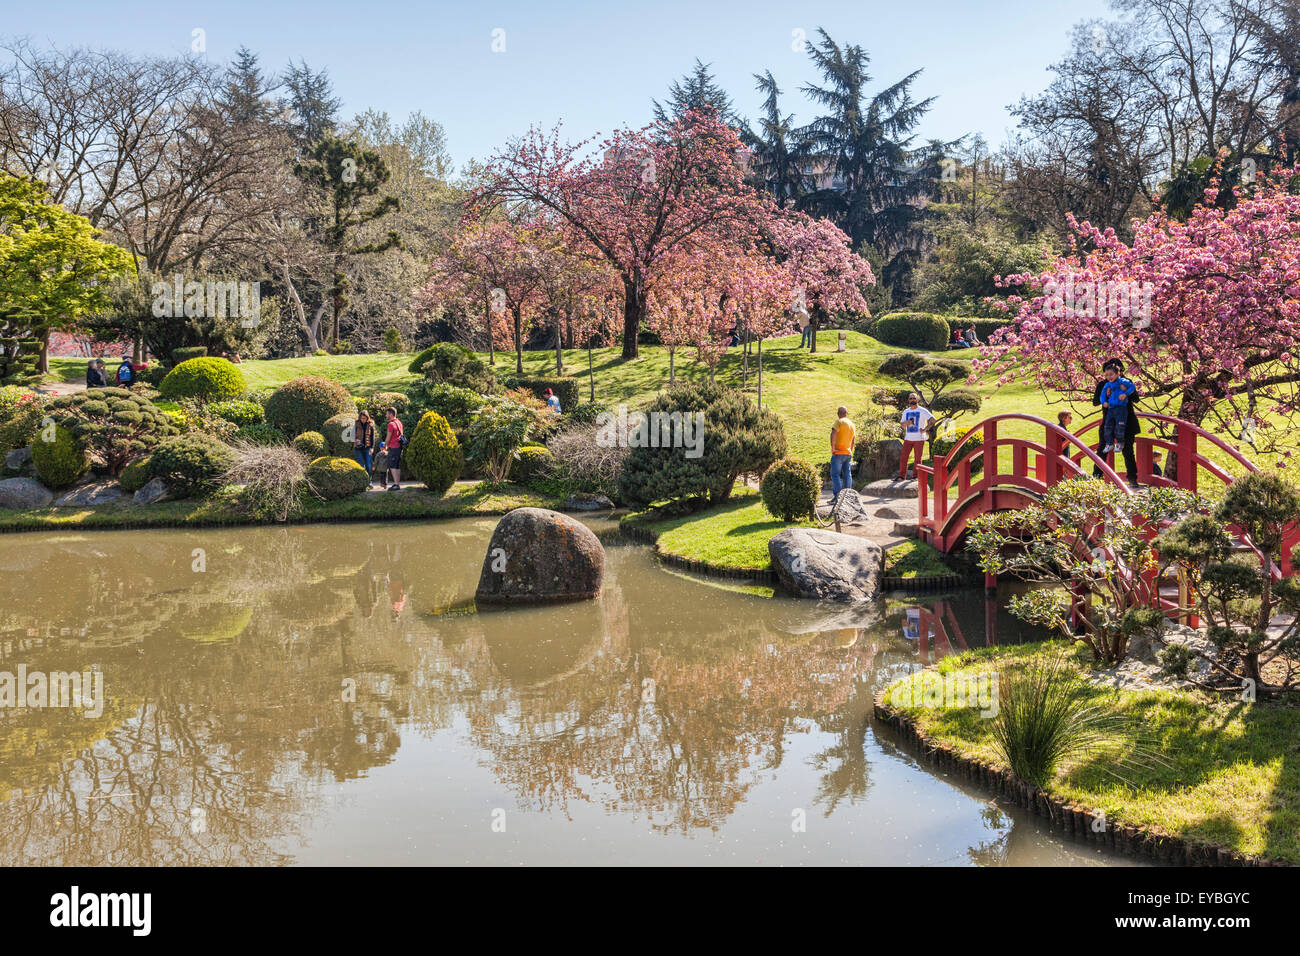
(239,412)
(433,454)
(207,379)
(531,462)
(135,475)
(60,461)
(114,426)
(191,463)
(333,478)
(457,405)
(260,434)
(379,403)
(565,388)
(303,405)
(790,489)
(456,365)
(190,352)
(736,437)
(339,432)
(913,330)
(311,445)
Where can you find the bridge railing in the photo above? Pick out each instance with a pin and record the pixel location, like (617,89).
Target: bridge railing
(951,481)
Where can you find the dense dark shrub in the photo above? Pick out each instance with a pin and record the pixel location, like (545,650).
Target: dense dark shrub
(304,404)
(913,330)
(737,437)
(340,432)
(433,454)
(333,478)
(583,413)
(565,387)
(790,489)
(457,405)
(114,426)
(185,354)
(260,434)
(204,378)
(60,460)
(312,445)
(456,365)
(191,463)
(135,475)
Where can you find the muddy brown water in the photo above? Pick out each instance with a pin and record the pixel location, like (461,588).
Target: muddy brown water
(328,695)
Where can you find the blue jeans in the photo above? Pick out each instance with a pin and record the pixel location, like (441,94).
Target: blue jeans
(364,458)
(807,337)
(1114,422)
(841,473)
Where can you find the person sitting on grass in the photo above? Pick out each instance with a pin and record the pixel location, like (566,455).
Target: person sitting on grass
(393,441)
(916,423)
(971,338)
(957,341)
(843,434)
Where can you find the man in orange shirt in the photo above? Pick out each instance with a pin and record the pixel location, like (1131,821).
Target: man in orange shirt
(843,433)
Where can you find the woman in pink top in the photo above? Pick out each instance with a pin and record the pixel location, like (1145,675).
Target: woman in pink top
(393,442)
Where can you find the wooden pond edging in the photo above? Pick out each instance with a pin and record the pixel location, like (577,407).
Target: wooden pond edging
(1072,819)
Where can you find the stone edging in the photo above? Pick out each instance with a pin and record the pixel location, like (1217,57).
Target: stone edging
(1073,820)
(646,536)
(925,582)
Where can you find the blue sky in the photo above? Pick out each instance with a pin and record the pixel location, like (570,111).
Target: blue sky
(592,65)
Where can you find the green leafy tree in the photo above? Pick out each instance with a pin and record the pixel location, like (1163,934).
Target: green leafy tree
(348,176)
(53,269)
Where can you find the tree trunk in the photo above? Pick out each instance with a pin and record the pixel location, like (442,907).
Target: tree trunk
(43,364)
(300,312)
(591,372)
(519,340)
(672,369)
(487,317)
(559,351)
(633,313)
(814,322)
(760,371)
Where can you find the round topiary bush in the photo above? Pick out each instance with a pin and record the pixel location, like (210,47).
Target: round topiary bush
(531,461)
(207,379)
(333,478)
(790,489)
(135,475)
(378,403)
(339,432)
(192,463)
(433,454)
(58,457)
(304,404)
(113,426)
(913,330)
(311,444)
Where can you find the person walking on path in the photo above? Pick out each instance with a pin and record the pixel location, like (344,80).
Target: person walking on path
(363,443)
(394,440)
(1132,428)
(843,435)
(916,422)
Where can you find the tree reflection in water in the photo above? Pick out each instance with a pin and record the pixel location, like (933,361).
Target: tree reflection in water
(240,695)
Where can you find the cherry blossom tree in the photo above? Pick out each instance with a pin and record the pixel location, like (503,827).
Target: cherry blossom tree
(641,199)
(1204,314)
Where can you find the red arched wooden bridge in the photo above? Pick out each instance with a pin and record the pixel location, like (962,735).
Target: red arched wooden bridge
(949,495)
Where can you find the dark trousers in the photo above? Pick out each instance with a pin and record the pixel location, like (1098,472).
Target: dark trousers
(1113,422)
(1130,458)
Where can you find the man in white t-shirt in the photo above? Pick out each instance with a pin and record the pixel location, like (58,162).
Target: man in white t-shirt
(915,421)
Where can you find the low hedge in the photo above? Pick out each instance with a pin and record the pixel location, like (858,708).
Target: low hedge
(565,388)
(984,328)
(332,478)
(913,330)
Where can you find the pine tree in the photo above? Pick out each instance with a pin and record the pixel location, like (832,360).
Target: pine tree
(697,90)
(311,103)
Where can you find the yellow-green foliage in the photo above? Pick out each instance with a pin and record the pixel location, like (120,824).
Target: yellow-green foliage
(433,453)
(61,460)
(333,478)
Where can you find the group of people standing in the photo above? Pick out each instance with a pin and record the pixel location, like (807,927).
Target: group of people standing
(97,373)
(363,446)
(1115,393)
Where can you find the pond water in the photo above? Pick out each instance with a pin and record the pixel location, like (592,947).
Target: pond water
(327,695)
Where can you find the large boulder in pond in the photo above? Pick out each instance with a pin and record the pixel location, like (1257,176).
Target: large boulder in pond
(539,556)
(24,494)
(813,563)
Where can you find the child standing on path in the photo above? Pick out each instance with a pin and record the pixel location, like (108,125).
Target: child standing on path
(1114,402)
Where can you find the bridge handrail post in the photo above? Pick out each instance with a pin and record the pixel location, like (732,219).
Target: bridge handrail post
(990,449)
(940,488)
(1052,460)
(1187,458)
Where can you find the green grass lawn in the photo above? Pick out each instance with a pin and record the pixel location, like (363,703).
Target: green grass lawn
(911,559)
(733,535)
(1230,773)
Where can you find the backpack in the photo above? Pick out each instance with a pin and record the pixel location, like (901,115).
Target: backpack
(124,373)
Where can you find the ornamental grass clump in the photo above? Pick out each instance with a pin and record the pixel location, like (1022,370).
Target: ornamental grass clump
(273,478)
